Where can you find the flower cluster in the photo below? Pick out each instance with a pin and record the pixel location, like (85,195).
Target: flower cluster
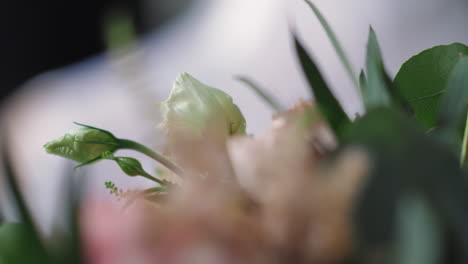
(390,186)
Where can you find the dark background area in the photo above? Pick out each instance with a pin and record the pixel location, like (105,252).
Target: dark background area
(37,36)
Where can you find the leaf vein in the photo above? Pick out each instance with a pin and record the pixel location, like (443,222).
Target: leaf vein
(427,96)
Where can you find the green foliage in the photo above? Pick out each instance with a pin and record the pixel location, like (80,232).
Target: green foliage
(268,98)
(453,106)
(325,100)
(455,100)
(90,144)
(70,248)
(85,145)
(362,81)
(336,44)
(378,88)
(464,147)
(423,79)
(130,166)
(18,245)
(411,208)
(375,92)
(419,234)
(158,190)
(405,162)
(15,237)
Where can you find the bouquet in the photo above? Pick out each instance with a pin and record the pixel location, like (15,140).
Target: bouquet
(319,186)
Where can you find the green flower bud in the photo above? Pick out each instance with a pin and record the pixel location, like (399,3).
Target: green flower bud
(194,108)
(131,166)
(85,144)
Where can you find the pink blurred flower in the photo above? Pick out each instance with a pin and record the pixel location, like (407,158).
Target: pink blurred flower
(110,234)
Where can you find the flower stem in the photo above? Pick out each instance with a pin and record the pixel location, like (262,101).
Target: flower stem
(149,177)
(129,144)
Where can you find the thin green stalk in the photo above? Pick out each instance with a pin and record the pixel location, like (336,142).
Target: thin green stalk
(155,190)
(335,43)
(129,144)
(151,178)
(464,144)
(268,98)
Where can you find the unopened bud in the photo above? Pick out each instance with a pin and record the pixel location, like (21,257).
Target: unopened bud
(131,166)
(193,109)
(84,145)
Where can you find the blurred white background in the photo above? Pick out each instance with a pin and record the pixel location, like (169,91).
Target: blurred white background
(214,41)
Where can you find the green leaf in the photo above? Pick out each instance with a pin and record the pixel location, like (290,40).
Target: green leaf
(463,157)
(362,81)
(11,243)
(18,245)
(405,161)
(268,98)
(336,44)
(423,79)
(453,107)
(419,232)
(95,128)
(378,88)
(66,245)
(326,101)
(375,92)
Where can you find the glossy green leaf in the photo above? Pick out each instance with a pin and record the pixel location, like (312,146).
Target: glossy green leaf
(336,44)
(325,100)
(423,79)
(397,98)
(454,104)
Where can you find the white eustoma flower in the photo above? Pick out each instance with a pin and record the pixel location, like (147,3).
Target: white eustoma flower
(193,110)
